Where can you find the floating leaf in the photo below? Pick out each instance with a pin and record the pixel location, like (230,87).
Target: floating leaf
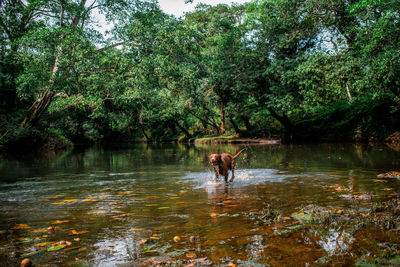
(125,192)
(60,221)
(89,200)
(70,200)
(74,232)
(213,215)
(21,226)
(42,244)
(191,255)
(149,251)
(141,242)
(227,201)
(151,205)
(58,203)
(301,216)
(39,231)
(174,197)
(163,208)
(97,212)
(137,229)
(57,247)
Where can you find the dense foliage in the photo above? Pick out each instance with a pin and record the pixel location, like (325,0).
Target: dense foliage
(306,70)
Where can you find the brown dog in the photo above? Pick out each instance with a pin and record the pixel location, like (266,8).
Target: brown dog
(222,163)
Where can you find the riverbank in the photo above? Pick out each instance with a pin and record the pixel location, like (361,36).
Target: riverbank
(235,140)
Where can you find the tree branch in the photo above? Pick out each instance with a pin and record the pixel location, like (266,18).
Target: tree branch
(108,47)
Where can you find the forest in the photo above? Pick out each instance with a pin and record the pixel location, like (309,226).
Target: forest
(298,70)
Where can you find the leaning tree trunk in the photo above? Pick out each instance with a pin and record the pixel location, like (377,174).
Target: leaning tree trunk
(38,108)
(221,109)
(235,126)
(183,129)
(48,94)
(45,97)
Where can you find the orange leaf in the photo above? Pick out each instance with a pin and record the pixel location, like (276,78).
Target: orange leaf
(191,255)
(42,244)
(137,229)
(70,200)
(141,242)
(39,231)
(74,232)
(21,226)
(89,200)
(57,203)
(60,221)
(213,215)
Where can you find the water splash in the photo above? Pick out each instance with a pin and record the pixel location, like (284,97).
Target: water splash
(243,177)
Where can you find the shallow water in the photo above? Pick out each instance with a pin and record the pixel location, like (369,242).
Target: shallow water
(124,206)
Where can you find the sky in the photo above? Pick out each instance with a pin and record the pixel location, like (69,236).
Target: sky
(172,7)
(178,7)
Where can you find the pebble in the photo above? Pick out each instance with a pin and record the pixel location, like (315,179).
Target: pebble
(26,263)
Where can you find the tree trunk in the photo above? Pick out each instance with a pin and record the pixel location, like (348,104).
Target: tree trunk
(246,121)
(235,127)
(173,128)
(188,135)
(145,134)
(205,122)
(38,108)
(47,95)
(287,124)
(221,109)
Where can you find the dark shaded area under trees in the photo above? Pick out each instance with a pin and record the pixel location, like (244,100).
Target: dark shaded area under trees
(302,70)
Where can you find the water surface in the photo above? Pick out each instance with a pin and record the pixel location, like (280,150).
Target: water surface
(159,204)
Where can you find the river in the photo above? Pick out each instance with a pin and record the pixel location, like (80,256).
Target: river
(143,205)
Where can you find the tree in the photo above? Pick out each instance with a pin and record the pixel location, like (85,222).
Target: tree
(283,32)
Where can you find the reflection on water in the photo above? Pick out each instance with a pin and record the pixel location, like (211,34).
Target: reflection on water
(128,205)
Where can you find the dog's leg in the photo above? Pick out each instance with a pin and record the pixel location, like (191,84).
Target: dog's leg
(233,174)
(216,171)
(226,178)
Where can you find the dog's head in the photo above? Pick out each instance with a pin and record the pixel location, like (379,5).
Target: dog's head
(215,159)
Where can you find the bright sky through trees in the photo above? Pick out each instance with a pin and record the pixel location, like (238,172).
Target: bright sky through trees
(178,7)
